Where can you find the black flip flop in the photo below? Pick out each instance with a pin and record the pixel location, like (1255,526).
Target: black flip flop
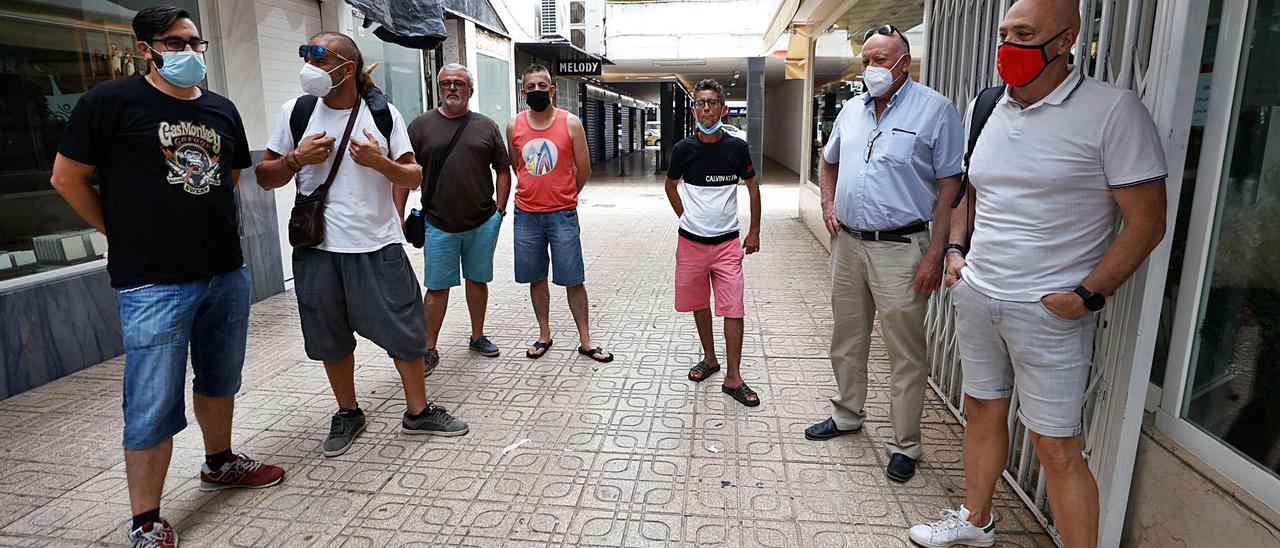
(545,346)
(740,393)
(706,370)
(595,352)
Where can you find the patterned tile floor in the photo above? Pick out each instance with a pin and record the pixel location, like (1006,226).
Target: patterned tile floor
(624,454)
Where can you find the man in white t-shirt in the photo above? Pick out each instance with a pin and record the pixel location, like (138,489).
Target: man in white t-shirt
(358,279)
(1060,160)
(709,256)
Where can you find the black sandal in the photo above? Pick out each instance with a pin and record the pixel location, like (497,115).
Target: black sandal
(545,346)
(741,393)
(597,351)
(706,370)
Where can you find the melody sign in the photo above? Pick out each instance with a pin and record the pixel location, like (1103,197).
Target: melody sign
(578,68)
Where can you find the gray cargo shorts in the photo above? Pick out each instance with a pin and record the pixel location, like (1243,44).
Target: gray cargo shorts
(1050,357)
(375,294)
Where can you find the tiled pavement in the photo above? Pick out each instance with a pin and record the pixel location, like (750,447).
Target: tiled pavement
(624,454)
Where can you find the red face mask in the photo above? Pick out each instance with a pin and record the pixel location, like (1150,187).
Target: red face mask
(1021,64)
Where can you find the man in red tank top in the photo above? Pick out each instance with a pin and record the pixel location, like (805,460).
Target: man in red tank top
(549,152)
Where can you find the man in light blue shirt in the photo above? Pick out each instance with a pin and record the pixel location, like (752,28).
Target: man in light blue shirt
(891,166)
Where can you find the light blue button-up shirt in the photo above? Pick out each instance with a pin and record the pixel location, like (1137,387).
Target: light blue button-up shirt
(918,140)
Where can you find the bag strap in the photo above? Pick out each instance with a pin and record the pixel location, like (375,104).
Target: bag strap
(323,190)
(983,106)
(300,116)
(435,169)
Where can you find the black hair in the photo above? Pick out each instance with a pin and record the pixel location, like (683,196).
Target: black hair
(347,47)
(534,69)
(152,20)
(709,84)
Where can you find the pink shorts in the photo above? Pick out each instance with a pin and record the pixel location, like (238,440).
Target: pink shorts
(701,268)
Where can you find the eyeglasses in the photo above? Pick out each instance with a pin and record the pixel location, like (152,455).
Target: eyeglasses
(174,43)
(703,103)
(453,84)
(887,30)
(540,86)
(308,53)
(871,144)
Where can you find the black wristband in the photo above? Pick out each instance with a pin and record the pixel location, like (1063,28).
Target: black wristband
(958,247)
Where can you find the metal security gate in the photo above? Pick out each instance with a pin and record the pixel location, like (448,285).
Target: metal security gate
(592,122)
(610,131)
(627,137)
(1115,45)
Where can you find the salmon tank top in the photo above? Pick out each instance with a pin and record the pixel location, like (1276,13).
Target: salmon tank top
(545,180)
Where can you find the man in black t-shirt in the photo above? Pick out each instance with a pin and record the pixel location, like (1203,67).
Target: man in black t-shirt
(708,256)
(168,155)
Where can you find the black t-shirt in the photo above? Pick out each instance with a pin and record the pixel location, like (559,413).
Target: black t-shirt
(165,170)
(711,172)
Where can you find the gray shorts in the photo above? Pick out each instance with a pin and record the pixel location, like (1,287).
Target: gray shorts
(1050,357)
(374,294)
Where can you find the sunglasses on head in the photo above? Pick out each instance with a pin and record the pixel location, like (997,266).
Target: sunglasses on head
(886,30)
(309,52)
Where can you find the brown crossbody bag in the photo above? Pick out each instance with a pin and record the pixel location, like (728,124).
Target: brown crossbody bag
(306,221)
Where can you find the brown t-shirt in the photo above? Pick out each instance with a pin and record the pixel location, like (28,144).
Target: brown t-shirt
(463,198)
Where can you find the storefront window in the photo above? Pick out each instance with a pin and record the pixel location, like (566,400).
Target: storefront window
(837,77)
(1233,389)
(494,88)
(399,70)
(51,53)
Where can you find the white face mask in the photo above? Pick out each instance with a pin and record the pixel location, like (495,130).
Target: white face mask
(879,79)
(315,80)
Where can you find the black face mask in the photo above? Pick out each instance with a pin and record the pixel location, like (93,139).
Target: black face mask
(538,100)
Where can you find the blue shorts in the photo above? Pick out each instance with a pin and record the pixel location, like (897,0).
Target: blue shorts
(473,250)
(159,322)
(557,229)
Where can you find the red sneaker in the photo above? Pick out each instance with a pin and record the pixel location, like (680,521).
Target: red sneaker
(157,534)
(240,471)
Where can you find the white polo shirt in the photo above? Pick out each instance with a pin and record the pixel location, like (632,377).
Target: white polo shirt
(1044,175)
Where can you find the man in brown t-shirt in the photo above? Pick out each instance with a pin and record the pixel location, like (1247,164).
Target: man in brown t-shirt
(463,219)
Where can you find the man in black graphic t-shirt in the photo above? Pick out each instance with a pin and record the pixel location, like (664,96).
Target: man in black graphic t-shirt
(168,156)
(708,256)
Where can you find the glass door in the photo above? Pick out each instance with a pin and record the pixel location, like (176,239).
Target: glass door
(1232,382)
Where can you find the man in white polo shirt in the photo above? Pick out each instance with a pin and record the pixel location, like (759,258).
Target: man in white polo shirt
(1061,159)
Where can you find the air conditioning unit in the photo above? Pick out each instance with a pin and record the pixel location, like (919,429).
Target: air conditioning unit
(553,19)
(594,27)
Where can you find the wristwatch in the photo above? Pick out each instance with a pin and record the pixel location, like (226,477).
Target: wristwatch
(1093,301)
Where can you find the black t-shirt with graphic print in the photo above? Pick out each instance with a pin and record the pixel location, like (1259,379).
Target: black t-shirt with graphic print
(164,166)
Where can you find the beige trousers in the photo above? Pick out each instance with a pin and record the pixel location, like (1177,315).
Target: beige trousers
(869,277)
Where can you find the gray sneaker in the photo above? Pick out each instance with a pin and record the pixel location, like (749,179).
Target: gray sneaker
(485,347)
(430,361)
(343,429)
(434,420)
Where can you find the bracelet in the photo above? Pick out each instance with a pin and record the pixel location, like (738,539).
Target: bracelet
(953,252)
(956,247)
(286,163)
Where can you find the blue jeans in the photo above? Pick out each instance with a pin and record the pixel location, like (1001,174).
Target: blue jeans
(159,322)
(534,232)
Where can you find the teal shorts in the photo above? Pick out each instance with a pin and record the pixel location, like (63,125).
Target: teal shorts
(449,256)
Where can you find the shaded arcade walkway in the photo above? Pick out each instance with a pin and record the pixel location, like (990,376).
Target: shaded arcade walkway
(624,454)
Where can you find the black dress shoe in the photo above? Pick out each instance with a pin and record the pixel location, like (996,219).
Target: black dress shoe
(826,430)
(901,468)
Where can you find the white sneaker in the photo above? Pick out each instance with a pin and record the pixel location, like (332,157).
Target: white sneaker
(954,529)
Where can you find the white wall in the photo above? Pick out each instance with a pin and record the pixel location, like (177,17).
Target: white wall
(282,26)
(784,116)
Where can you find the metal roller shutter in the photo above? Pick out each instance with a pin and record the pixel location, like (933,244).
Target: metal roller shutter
(592,111)
(625,145)
(610,132)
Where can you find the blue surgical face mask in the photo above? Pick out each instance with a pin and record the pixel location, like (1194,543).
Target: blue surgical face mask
(181,68)
(710,130)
